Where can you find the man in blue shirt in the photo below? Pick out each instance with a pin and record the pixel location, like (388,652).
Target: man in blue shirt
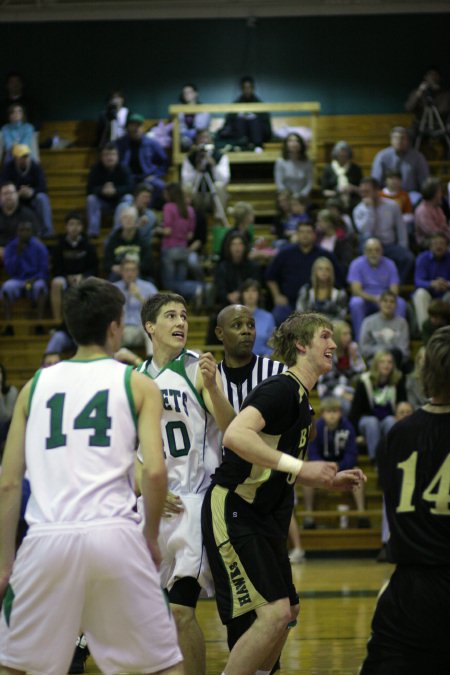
(431,277)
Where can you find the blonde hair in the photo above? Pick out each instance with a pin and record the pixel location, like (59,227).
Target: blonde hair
(240,211)
(395,375)
(298,327)
(320,261)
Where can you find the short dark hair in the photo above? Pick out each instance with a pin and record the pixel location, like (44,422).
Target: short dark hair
(247,78)
(73,215)
(109,147)
(393,173)
(388,294)
(142,187)
(90,308)
(152,307)
(436,367)
(430,186)
(370,180)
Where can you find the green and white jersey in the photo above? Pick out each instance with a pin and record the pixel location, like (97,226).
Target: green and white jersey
(191,438)
(80,443)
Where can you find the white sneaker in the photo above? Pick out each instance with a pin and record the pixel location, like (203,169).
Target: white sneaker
(297,555)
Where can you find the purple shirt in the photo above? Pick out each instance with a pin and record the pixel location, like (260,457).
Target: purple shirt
(374,280)
(428,268)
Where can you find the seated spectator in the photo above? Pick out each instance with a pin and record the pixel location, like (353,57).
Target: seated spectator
(144,157)
(12,212)
(414,388)
(369,275)
(431,277)
(178,227)
(341,178)
(18,132)
(335,441)
(335,206)
(112,122)
(393,190)
(231,272)
(15,92)
(243,216)
(136,292)
(73,259)
(205,172)
(429,217)
(247,131)
(320,295)
(281,228)
(142,197)
(8,397)
(400,156)
(382,218)
(438,317)
(29,178)
(384,331)
(376,396)
(250,292)
(108,183)
(191,123)
(348,364)
(293,171)
(127,240)
(332,235)
(27,266)
(291,269)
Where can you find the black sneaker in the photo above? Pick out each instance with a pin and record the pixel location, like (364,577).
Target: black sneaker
(80,655)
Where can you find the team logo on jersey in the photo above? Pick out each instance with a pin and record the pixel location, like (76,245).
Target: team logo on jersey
(242,594)
(174,399)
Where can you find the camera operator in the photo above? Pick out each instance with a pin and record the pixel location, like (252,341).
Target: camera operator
(112,121)
(429,93)
(206,173)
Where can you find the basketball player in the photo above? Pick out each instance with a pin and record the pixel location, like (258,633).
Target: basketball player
(84,557)
(247,509)
(410,627)
(195,415)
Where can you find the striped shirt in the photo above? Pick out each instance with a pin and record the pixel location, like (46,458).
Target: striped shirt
(237,388)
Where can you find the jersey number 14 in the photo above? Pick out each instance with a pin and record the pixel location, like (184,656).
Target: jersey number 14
(437,492)
(93,416)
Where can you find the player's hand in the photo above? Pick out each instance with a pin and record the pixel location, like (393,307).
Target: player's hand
(172,506)
(152,545)
(208,368)
(317,474)
(349,479)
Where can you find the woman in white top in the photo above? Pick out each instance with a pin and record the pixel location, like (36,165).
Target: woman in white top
(293,170)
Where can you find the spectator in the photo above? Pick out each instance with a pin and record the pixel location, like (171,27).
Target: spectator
(143,156)
(432,276)
(112,122)
(414,388)
(29,178)
(429,217)
(429,92)
(231,273)
(382,218)
(369,275)
(15,93)
(348,364)
(250,292)
(384,331)
(27,266)
(18,131)
(400,156)
(393,190)
(178,227)
(136,292)
(334,441)
(244,224)
(291,269)
(341,178)
(124,241)
(73,259)
(321,295)
(11,214)
(247,131)
(293,171)
(438,317)
(8,396)
(205,172)
(376,396)
(108,183)
(332,235)
(191,123)
(281,227)
(335,206)
(142,197)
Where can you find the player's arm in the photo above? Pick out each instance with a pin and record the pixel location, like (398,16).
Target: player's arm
(153,474)
(11,477)
(210,385)
(242,437)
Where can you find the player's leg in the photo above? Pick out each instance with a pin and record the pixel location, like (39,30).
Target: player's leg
(183,598)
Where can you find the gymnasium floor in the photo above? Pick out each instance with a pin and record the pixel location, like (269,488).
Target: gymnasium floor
(338,597)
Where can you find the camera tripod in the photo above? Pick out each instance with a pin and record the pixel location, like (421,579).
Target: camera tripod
(432,126)
(211,189)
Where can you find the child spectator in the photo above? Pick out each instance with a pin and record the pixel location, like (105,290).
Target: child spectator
(335,441)
(126,240)
(244,219)
(18,131)
(438,316)
(393,190)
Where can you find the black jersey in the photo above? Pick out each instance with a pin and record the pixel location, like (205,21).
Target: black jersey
(283,402)
(415,476)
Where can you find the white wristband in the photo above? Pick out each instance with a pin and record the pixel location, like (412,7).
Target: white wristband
(290,465)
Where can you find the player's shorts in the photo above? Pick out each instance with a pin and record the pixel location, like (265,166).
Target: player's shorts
(250,568)
(96,578)
(411,624)
(181,544)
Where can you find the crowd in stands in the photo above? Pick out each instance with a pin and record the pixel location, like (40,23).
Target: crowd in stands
(345,247)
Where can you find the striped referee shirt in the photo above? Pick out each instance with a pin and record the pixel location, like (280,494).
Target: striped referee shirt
(237,388)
